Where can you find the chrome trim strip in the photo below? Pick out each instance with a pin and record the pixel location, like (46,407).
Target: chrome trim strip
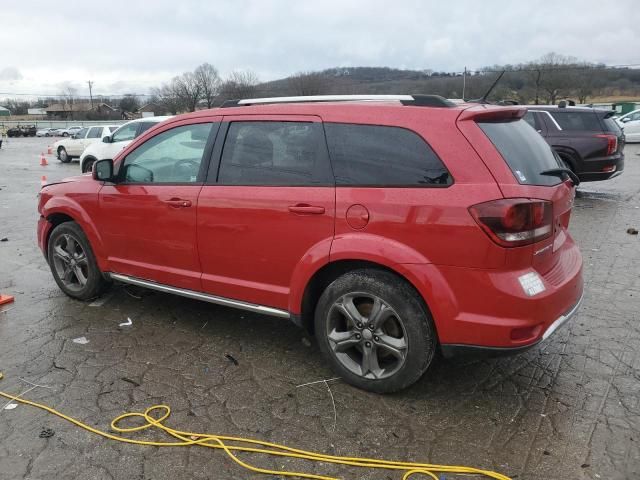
(562,320)
(325,98)
(550,116)
(227,302)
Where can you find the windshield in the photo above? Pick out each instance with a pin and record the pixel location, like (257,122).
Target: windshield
(524,150)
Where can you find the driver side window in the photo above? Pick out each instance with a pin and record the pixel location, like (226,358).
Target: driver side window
(173,156)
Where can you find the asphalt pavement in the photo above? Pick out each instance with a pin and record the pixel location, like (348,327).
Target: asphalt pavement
(567,409)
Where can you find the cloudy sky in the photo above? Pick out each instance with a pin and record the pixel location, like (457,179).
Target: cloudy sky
(129,46)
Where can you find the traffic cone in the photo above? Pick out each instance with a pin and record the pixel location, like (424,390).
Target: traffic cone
(43,180)
(43,160)
(5,299)
(49,150)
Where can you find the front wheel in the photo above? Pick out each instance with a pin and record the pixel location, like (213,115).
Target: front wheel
(374,331)
(87,166)
(63,155)
(73,263)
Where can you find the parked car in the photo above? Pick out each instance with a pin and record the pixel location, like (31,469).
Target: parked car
(390,229)
(22,131)
(112,145)
(46,132)
(630,124)
(72,147)
(588,140)
(67,132)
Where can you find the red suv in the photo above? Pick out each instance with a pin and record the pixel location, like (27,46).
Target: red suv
(391,227)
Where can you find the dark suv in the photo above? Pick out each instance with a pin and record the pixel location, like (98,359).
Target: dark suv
(588,140)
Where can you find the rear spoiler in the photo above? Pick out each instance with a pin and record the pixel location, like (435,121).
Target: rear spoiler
(492,113)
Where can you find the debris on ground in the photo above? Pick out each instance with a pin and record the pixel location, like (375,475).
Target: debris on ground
(128,380)
(4,239)
(231,359)
(306,342)
(46,433)
(10,406)
(632,231)
(127,323)
(81,340)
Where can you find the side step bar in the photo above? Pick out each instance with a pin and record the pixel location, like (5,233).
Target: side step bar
(227,302)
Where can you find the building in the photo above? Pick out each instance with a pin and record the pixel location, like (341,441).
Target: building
(5,112)
(81,110)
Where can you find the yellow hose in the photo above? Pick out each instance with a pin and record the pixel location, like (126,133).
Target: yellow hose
(239,444)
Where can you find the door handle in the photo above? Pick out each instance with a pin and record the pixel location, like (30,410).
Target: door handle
(178,203)
(305,209)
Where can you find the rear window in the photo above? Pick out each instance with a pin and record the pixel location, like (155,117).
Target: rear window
(572,121)
(524,150)
(377,156)
(610,125)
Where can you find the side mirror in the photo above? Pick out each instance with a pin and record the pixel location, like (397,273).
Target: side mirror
(103,170)
(106,139)
(625,119)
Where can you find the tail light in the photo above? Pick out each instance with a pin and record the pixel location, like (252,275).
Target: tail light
(612,142)
(513,222)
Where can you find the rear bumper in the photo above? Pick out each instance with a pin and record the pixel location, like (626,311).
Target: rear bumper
(592,170)
(497,310)
(453,350)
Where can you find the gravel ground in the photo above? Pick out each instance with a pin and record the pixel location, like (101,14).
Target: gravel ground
(567,409)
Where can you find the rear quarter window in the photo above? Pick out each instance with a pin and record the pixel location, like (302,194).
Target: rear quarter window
(577,121)
(611,126)
(524,150)
(378,156)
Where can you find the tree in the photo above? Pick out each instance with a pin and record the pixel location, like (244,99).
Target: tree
(129,103)
(308,83)
(208,79)
(239,84)
(68,96)
(188,90)
(167,96)
(555,78)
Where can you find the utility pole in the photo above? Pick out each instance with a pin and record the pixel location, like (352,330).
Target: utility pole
(464,82)
(90,82)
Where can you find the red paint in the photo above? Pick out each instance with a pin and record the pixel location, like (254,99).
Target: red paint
(264,244)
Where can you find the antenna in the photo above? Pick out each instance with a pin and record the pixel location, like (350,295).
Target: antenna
(483,99)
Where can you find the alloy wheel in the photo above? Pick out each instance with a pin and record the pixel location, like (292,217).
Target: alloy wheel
(70,262)
(367,336)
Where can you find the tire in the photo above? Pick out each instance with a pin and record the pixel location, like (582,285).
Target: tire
(73,263)
(88,164)
(63,155)
(46,134)
(362,355)
(65,134)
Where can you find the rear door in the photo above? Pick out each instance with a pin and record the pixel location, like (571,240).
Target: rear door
(526,155)
(75,145)
(268,207)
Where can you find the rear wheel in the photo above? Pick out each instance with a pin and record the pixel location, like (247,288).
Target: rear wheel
(73,263)
(374,330)
(63,156)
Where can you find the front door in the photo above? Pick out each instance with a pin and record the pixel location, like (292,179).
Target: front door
(268,208)
(148,217)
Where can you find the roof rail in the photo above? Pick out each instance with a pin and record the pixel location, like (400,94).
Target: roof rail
(415,100)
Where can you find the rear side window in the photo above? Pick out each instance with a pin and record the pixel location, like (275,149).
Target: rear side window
(524,150)
(144,126)
(377,156)
(95,132)
(572,121)
(113,128)
(274,153)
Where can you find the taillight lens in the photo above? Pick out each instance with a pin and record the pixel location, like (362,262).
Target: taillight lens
(513,222)
(612,142)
